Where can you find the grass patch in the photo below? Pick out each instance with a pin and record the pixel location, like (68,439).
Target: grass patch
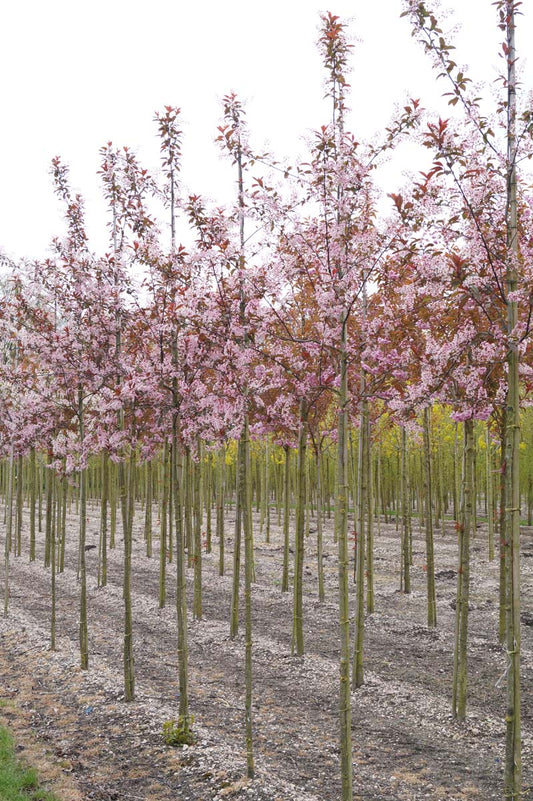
(17,782)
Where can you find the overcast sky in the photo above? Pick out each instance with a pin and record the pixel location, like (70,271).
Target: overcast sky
(76,75)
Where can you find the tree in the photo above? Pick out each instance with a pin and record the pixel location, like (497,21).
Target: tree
(501,252)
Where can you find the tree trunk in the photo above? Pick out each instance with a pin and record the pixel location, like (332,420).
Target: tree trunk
(428,515)
(341,526)
(234,623)
(53,570)
(406,554)
(129,670)
(362,520)
(102,551)
(297,632)
(221,476)
(84,642)
(181,595)
(197,529)
(148,509)
(18,549)
(244,492)
(489,492)
(33,481)
(319,523)
(9,529)
(370,519)
(286,514)
(513,747)
(503,535)
(163,520)
(459,695)
(266,496)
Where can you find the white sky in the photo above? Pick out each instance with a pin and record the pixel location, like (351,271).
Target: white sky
(78,74)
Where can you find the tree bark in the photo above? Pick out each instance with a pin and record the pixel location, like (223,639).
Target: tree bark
(459,695)
(298,634)
(406,551)
(84,643)
(341,525)
(513,747)
(428,514)
(286,515)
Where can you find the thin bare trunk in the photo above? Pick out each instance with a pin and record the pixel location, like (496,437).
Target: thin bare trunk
(513,746)
(428,515)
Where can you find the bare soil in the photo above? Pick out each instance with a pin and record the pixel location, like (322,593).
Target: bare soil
(90,744)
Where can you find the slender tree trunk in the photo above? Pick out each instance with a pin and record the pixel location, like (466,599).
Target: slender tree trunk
(181,595)
(379,492)
(221,476)
(9,528)
(48,513)
(244,491)
(40,497)
(208,491)
(319,523)
(406,555)
(266,500)
(148,509)
(529,499)
(102,562)
(298,633)
(503,535)
(129,670)
(459,697)
(428,515)
(187,507)
(197,525)
(286,516)
(489,492)
(170,510)
(513,746)
(84,642)
(456,491)
(33,481)
(362,520)
(370,520)
(341,524)
(53,571)
(234,622)
(113,505)
(163,519)
(20,485)
(64,499)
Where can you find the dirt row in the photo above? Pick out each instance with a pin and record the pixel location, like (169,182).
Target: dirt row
(90,744)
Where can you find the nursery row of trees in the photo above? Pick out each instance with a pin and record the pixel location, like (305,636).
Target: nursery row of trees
(401,460)
(296,319)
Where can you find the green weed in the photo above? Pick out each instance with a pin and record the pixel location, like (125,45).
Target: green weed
(17,782)
(178,732)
